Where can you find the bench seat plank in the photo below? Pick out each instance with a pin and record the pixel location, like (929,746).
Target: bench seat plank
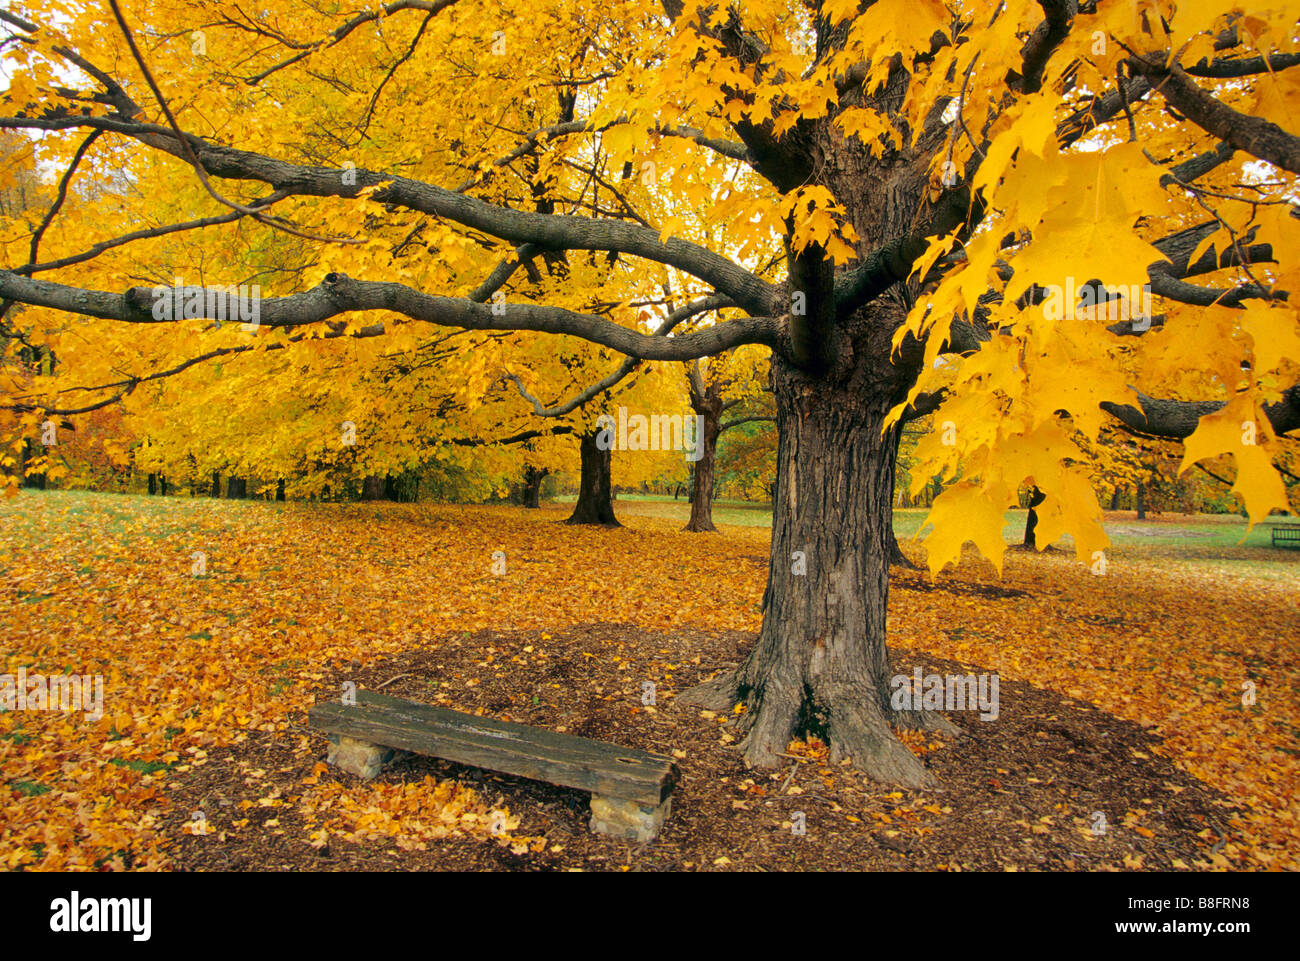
(503,746)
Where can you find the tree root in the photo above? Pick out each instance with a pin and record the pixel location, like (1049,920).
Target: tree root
(700,527)
(856,727)
(771,728)
(898,559)
(718,693)
(924,721)
(858,730)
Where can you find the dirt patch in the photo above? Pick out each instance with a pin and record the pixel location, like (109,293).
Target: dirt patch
(920,583)
(1022,792)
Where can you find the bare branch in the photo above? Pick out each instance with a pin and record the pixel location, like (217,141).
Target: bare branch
(676,317)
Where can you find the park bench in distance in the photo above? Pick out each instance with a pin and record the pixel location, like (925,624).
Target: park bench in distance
(1286,535)
(630,789)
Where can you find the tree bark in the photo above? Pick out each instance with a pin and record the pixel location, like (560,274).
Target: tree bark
(216,485)
(1036,497)
(1141,501)
(236,488)
(153,484)
(820,664)
(595,505)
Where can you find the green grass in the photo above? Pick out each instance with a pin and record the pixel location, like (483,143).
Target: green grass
(29,788)
(1217,543)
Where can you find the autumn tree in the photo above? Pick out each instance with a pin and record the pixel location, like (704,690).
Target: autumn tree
(732,385)
(908,202)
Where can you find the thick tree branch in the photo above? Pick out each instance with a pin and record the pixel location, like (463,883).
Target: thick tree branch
(546,231)
(1179,418)
(1255,135)
(1042,43)
(339,294)
(1245,67)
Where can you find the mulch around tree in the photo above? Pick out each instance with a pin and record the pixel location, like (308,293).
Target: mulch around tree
(1019,793)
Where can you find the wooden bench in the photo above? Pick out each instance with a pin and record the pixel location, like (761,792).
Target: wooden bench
(1286,535)
(630,789)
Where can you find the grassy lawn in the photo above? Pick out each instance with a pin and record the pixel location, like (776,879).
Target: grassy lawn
(1216,543)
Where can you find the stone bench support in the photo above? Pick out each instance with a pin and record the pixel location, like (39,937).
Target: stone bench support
(628,819)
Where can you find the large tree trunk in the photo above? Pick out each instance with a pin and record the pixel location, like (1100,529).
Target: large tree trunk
(595,505)
(1036,497)
(702,477)
(216,484)
(820,664)
(1141,501)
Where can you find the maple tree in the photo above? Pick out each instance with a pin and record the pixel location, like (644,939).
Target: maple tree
(889,197)
(734,383)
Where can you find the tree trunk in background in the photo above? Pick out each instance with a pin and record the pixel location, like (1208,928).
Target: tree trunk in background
(236,488)
(595,505)
(162,485)
(532,491)
(702,477)
(1141,501)
(153,484)
(1036,497)
(372,488)
(35,480)
(706,402)
(820,662)
(1114,499)
(216,485)
(279,489)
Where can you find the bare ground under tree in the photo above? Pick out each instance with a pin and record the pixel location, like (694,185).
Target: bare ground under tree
(1021,793)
